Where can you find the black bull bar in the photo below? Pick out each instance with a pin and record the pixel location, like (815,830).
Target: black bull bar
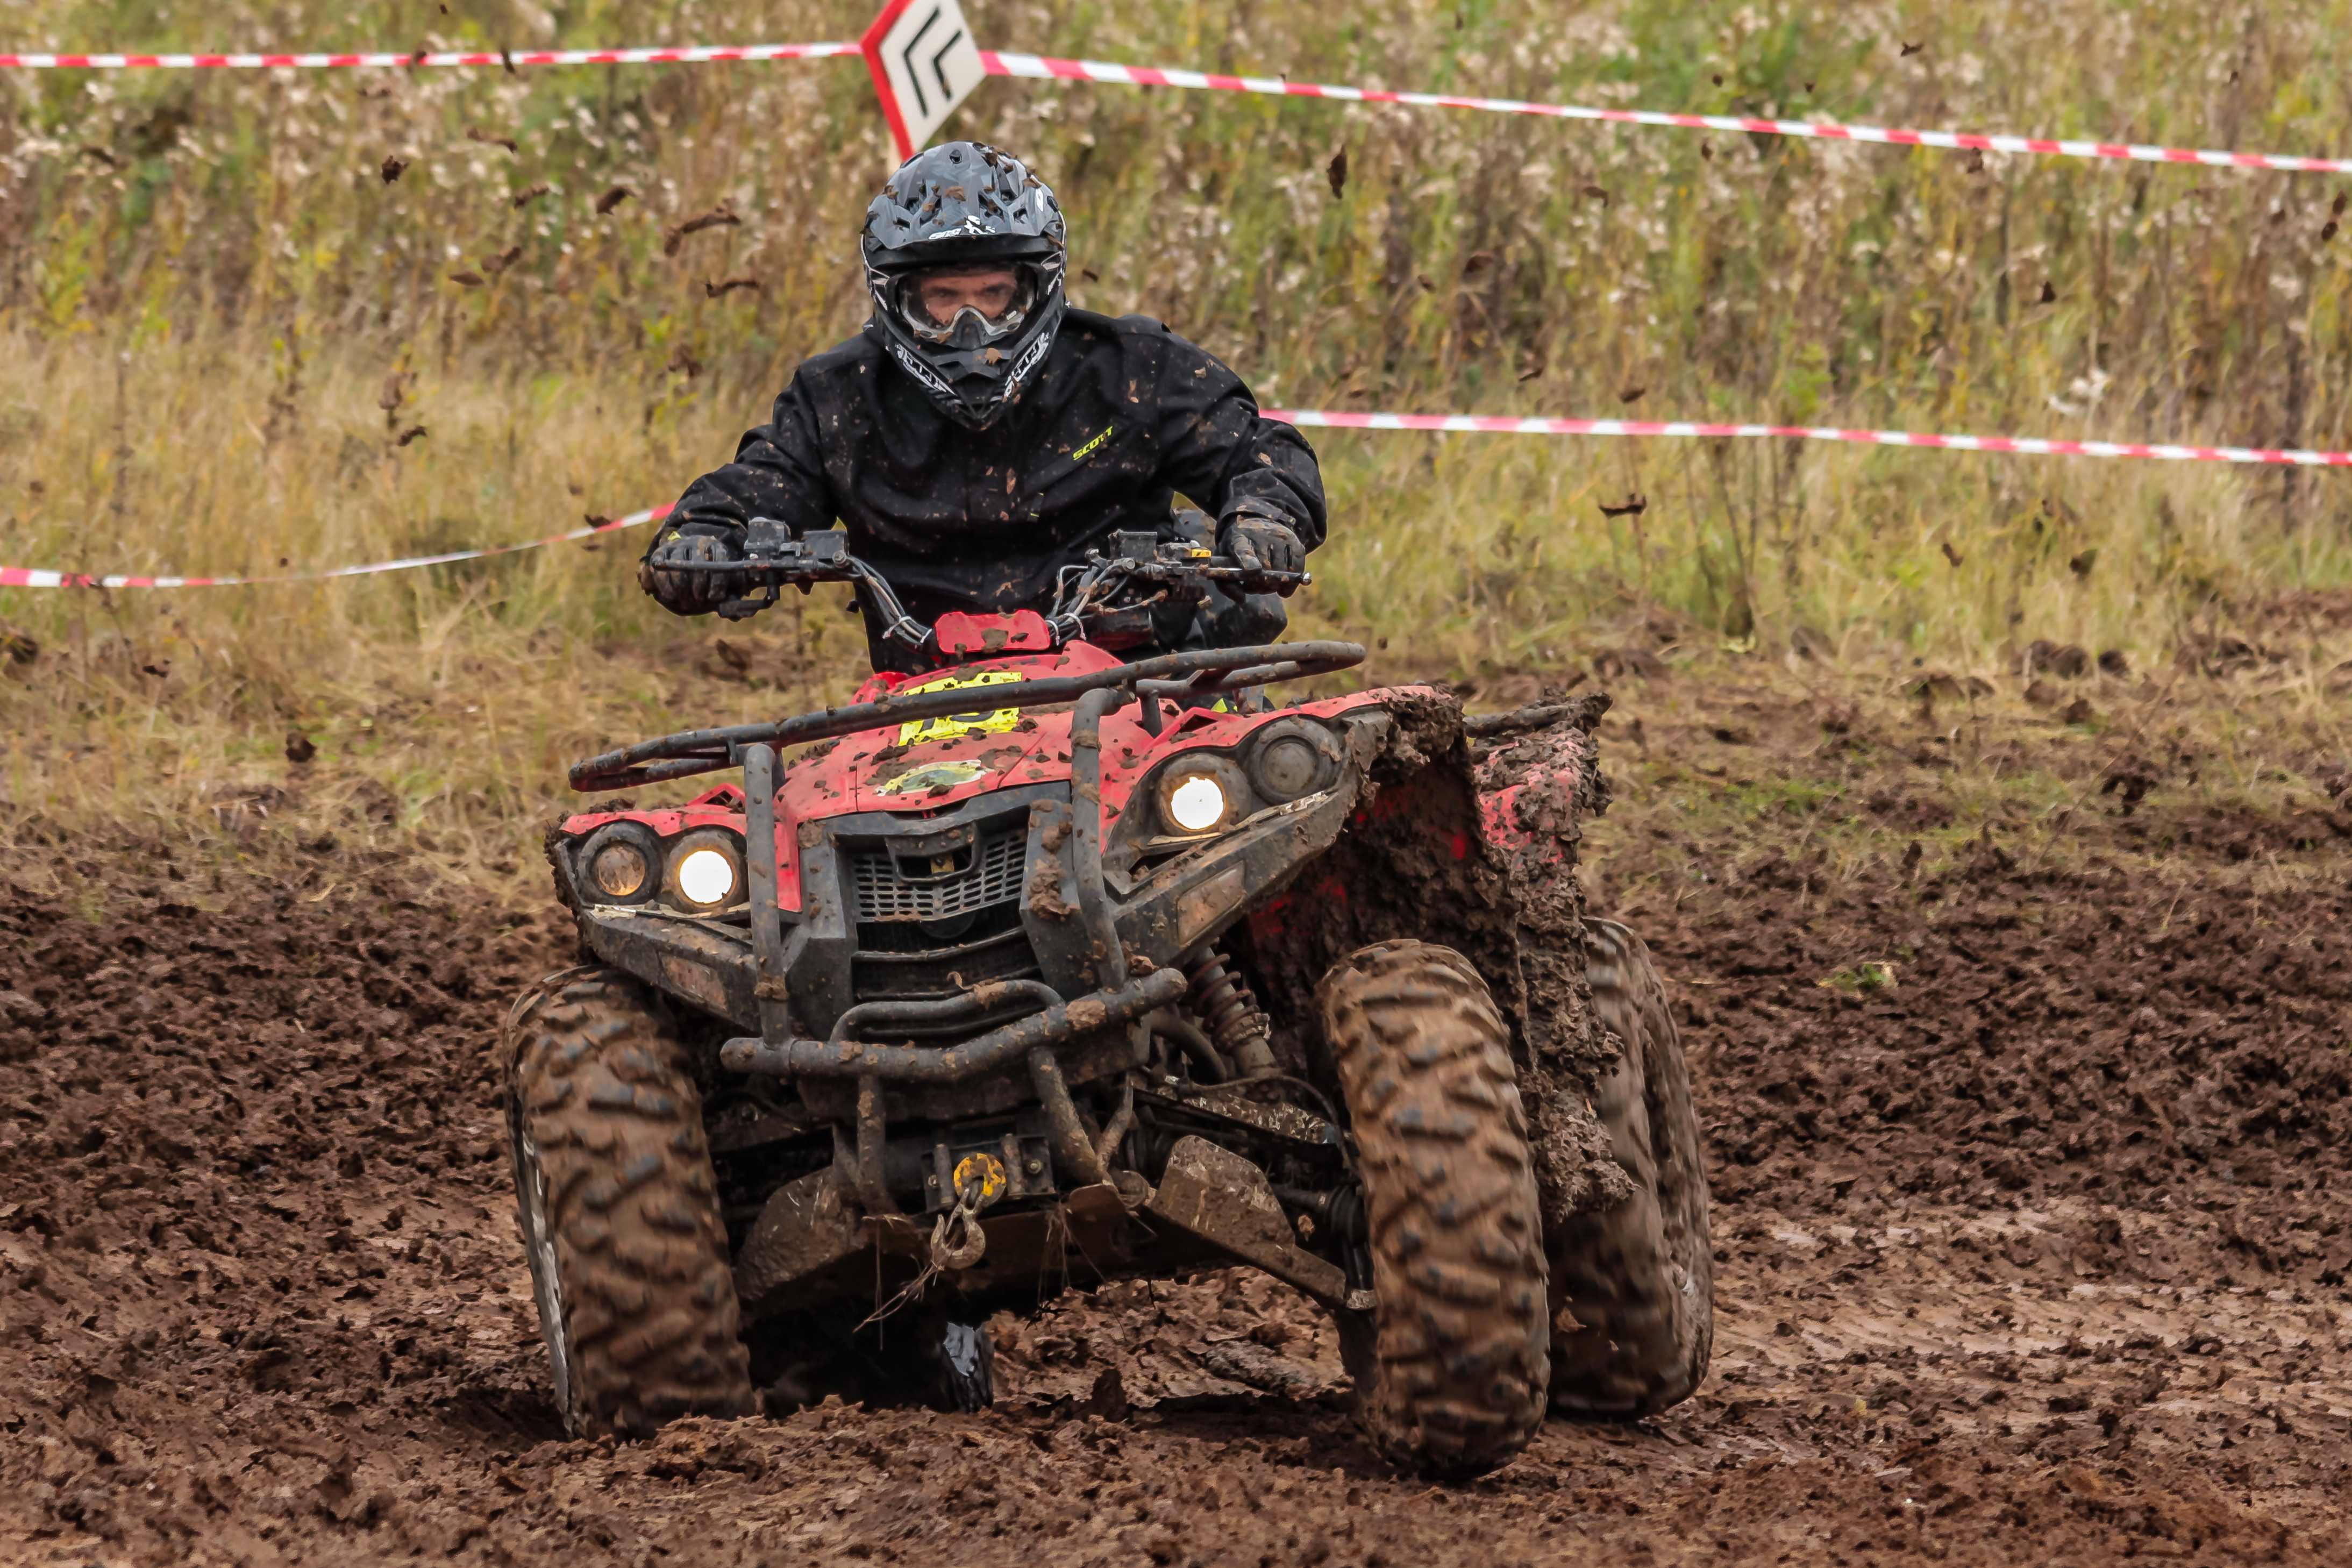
(1060,1021)
(1034,1038)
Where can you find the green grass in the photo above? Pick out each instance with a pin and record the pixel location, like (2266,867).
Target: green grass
(1873,974)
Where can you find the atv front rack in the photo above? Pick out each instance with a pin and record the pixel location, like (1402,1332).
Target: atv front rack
(1203,673)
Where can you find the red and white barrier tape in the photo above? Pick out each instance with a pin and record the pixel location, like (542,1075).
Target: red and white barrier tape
(695,55)
(2023,446)
(1044,67)
(34,577)
(1342,419)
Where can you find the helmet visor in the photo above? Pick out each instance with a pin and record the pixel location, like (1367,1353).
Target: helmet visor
(966,305)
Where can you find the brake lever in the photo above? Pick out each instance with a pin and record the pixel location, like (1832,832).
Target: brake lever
(768,571)
(1175,566)
(895,622)
(1258,579)
(745,608)
(769,575)
(1211,568)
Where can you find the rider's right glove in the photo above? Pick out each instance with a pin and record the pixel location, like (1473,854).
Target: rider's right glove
(689,592)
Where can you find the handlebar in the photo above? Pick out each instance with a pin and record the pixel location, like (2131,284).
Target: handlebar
(773,558)
(1203,673)
(1221,569)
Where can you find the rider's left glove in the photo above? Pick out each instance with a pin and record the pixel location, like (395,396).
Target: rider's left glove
(689,592)
(1260,543)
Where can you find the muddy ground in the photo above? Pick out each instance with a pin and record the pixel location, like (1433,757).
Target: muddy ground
(2030,1160)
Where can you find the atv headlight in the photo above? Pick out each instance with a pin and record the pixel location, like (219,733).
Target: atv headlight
(619,870)
(1201,794)
(1293,758)
(1197,803)
(705,871)
(705,877)
(620,864)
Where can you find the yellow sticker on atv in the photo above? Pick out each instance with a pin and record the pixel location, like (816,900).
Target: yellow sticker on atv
(949,726)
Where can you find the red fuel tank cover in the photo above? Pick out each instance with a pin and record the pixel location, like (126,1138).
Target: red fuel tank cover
(1022,631)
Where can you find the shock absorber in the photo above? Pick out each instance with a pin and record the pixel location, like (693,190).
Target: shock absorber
(1233,1016)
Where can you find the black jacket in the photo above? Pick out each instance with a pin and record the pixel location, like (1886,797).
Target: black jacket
(1124,415)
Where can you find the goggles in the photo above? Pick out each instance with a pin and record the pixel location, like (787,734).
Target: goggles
(969,324)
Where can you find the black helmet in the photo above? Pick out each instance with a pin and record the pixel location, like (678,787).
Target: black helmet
(965,208)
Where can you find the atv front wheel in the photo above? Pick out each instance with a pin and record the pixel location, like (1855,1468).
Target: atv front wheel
(1637,1281)
(1450,1366)
(619,1211)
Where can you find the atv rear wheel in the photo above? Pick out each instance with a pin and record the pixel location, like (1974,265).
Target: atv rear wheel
(1637,1281)
(1450,1366)
(619,1212)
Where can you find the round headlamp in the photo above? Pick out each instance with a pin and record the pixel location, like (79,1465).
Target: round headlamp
(1201,794)
(1292,758)
(1197,803)
(706,875)
(704,871)
(620,864)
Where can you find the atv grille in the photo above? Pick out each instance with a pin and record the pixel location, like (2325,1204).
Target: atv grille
(883,893)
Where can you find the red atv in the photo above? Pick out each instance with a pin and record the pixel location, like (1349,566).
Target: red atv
(1047,967)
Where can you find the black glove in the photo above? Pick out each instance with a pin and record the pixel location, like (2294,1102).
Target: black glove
(1262,544)
(689,592)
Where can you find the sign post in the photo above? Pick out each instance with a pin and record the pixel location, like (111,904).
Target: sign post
(924,63)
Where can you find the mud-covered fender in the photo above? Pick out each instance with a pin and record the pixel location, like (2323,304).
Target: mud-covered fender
(1533,797)
(1413,860)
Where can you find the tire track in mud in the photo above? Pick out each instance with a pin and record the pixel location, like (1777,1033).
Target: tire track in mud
(261,1299)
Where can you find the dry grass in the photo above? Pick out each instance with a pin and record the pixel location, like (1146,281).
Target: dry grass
(197,353)
(448,700)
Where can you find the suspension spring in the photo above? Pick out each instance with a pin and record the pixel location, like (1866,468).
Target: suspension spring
(1231,1012)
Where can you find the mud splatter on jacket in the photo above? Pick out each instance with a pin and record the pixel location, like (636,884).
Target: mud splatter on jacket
(1124,416)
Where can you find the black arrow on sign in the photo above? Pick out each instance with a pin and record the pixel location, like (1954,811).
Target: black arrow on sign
(914,77)
(940,62)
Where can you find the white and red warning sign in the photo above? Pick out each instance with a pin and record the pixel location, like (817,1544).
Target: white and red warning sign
(924,64)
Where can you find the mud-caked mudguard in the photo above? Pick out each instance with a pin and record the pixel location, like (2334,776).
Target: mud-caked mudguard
(1412,863)
(1536,791)
(1428,856)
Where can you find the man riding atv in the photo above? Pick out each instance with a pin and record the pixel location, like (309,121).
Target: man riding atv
(980,435)
(1037,964)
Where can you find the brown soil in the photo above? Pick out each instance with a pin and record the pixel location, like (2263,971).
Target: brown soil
(2036,1255)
